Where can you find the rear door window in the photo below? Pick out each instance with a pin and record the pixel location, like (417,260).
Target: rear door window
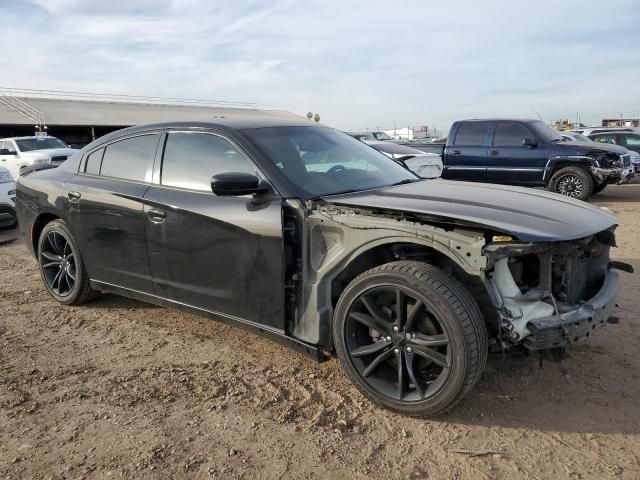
(471,134)
(130,159)
(191,159)
(510,135)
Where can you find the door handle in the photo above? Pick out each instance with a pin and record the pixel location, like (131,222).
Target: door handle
(74,196)
(156,216)
(493,152)
(456,152)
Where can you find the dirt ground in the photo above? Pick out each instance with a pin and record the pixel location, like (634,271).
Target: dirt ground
(120,389)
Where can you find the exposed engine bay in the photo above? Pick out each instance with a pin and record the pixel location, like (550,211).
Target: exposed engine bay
(542,286)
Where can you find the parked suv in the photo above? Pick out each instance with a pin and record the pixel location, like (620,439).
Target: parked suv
(312,238)
(18,153)
(530,153)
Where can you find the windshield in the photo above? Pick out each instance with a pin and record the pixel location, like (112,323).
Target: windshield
(545,132)
(381,136)
(322,161)
(581,138)
(39,143)
(5,176)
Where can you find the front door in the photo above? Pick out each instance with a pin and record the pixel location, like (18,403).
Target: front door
(510,161)
(106,211)
(220,254)
(466,157)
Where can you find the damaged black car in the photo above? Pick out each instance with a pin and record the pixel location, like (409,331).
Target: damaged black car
(303,234)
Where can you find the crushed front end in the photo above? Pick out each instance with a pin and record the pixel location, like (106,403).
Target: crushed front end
(552,294)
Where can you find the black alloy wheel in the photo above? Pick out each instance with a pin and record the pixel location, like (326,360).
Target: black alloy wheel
(58,263)
(398,345)
(61,266)
(410,337)
(570,185)
(574,182)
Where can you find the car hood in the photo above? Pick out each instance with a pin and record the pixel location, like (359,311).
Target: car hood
(528,214)
(590,147)
(48,152)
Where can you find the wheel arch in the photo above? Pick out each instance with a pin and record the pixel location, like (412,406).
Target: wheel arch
(558,163)
(322,291)
(38,225)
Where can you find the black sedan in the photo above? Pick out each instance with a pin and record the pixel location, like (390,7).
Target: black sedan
(304,234)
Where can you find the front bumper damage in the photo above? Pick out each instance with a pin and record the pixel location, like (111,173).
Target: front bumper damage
(613,175)
(560,330)
(552,295)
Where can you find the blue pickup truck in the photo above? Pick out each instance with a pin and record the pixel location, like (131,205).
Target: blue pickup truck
(530,153)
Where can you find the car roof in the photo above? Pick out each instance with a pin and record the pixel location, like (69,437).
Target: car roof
(524,120)
(27,138)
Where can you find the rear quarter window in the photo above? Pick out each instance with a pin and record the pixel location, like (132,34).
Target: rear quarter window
(471,134)
(131,158)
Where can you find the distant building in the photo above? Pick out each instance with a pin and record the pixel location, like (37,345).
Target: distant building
(78,119)
(621,122)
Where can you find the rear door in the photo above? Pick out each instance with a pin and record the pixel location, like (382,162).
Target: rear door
(106,212)
(466,157)
(222,254)
(510,161)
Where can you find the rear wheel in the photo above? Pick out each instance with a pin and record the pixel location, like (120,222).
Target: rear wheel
(410,337)
(61,265)
(572,182)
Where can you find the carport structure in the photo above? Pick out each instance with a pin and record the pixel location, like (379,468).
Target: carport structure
(79,118)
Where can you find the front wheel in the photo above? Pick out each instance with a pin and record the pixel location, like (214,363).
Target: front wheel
(61,265)
(572,182)
(599,188)
(410,337)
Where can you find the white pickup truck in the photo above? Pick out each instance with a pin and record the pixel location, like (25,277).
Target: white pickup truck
(20,152)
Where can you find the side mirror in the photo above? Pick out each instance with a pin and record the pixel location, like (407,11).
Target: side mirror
(6,151)
(236,183)
(530,142)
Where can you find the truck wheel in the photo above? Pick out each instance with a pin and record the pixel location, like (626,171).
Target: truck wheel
(573,182)
(61,265)
(599,188)
(410,337)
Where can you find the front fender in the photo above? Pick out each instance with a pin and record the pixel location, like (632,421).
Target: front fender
(566,160)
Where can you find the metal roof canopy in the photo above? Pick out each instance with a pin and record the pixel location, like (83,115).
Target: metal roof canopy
(60,111)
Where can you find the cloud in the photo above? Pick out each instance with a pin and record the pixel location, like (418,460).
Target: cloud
(359,63)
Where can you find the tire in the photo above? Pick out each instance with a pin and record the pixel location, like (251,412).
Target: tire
(59,258)
(430,376)
(599,188)
(574,182)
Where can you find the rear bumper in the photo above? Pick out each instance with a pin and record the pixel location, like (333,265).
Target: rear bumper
(576,325)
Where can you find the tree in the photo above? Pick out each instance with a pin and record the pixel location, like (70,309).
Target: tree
(309,115)
(316,117)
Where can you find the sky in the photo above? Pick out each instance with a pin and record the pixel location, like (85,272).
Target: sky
(359,64)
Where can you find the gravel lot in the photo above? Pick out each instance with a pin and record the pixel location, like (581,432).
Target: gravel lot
(120,389)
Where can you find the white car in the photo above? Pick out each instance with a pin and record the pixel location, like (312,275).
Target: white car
(20,152)
(425,165)
(7,199)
